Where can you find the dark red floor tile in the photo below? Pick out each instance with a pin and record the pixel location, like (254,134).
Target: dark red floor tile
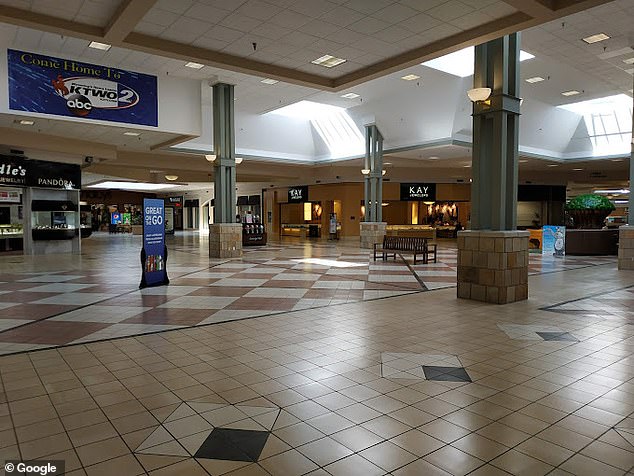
(178,317)
(51,332)
(34,311)
(226,291)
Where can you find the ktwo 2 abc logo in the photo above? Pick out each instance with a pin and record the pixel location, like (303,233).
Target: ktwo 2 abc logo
(83,94)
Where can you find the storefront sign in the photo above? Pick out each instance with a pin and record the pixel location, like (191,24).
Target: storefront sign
(176,201)
(10,196)
(21,172)
(154,252)
(554,240)
(412,192)
(298,194)
(62,87)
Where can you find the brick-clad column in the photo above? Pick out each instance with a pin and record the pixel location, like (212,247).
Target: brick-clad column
(493,266)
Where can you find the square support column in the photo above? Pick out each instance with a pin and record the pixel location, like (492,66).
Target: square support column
(493,266)
(493,256)
(372,229)
(626,247)
(225,235)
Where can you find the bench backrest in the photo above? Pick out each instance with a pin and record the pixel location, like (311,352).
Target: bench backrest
(404,243)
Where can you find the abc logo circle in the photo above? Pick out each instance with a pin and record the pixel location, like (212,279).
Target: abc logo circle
(79,105)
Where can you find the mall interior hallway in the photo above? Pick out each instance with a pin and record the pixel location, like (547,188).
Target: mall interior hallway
(312,358)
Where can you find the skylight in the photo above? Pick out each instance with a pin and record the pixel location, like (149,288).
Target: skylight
(461,63)
(608,121)
(333,124)
(120,185)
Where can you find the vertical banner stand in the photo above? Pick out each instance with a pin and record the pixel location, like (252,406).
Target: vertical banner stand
(154,251)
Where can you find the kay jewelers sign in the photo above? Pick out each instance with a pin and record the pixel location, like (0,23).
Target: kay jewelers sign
(411,192)
(21,172)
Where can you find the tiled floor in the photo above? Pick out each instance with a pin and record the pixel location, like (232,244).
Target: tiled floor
(419,383)
(53,303)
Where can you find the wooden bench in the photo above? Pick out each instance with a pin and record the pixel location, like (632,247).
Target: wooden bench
(415,245)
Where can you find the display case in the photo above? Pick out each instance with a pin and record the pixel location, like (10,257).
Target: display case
(54,220)
(253,234)
(11,237)
(85,219)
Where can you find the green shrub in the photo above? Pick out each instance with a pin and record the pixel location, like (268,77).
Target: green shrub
(590,202)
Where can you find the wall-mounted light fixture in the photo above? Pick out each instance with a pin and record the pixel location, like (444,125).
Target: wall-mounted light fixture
(383,172)
(212,158)
(365,171)
(480,95)
(171,178)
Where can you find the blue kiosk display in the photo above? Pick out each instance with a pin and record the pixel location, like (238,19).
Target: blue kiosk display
(154,252)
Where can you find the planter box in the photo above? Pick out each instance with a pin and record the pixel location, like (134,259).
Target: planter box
(592,242)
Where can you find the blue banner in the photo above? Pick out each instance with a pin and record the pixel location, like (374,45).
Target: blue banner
(154,252)
(62,87)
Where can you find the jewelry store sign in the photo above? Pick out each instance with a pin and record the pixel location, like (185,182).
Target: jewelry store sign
(20,172)
(62,87)
(412,192)
(298,194)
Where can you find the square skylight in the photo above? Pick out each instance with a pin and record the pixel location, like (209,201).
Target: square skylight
(595,38)
(328,61)
(461,63)
(572,92)
(535,79)
(410,77)
(629,61)
(350,96)
(269,81)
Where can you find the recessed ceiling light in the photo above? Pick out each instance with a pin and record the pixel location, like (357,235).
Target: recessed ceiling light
(577,170)
(387,163)
(553,165)
(410,77)
(595,38)
(130,133)
(617,160)
(99,46)
(523,161)
(350,96)
(572,92)
(535,79)
(25,122)
(433,157)
(466,166)
(629,61)
(193,65)
(269,81)
(328,61)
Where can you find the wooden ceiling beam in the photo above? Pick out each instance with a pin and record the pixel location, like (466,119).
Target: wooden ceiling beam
(126,18)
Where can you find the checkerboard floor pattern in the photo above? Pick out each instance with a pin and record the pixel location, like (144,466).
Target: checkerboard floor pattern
(98,298)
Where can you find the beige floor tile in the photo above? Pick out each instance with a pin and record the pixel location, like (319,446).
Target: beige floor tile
(101,451)
(388,456)
(544,450)
(190,467)
(621,458)
(289,462)
(417,443)
(127,465)
(444,430)
(453,461)
(90,434)
(324,451)
(581,465)
(386,427)
(354,465)
(480,447)
(520,464)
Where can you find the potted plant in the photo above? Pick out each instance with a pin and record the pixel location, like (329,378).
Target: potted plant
(589,211)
